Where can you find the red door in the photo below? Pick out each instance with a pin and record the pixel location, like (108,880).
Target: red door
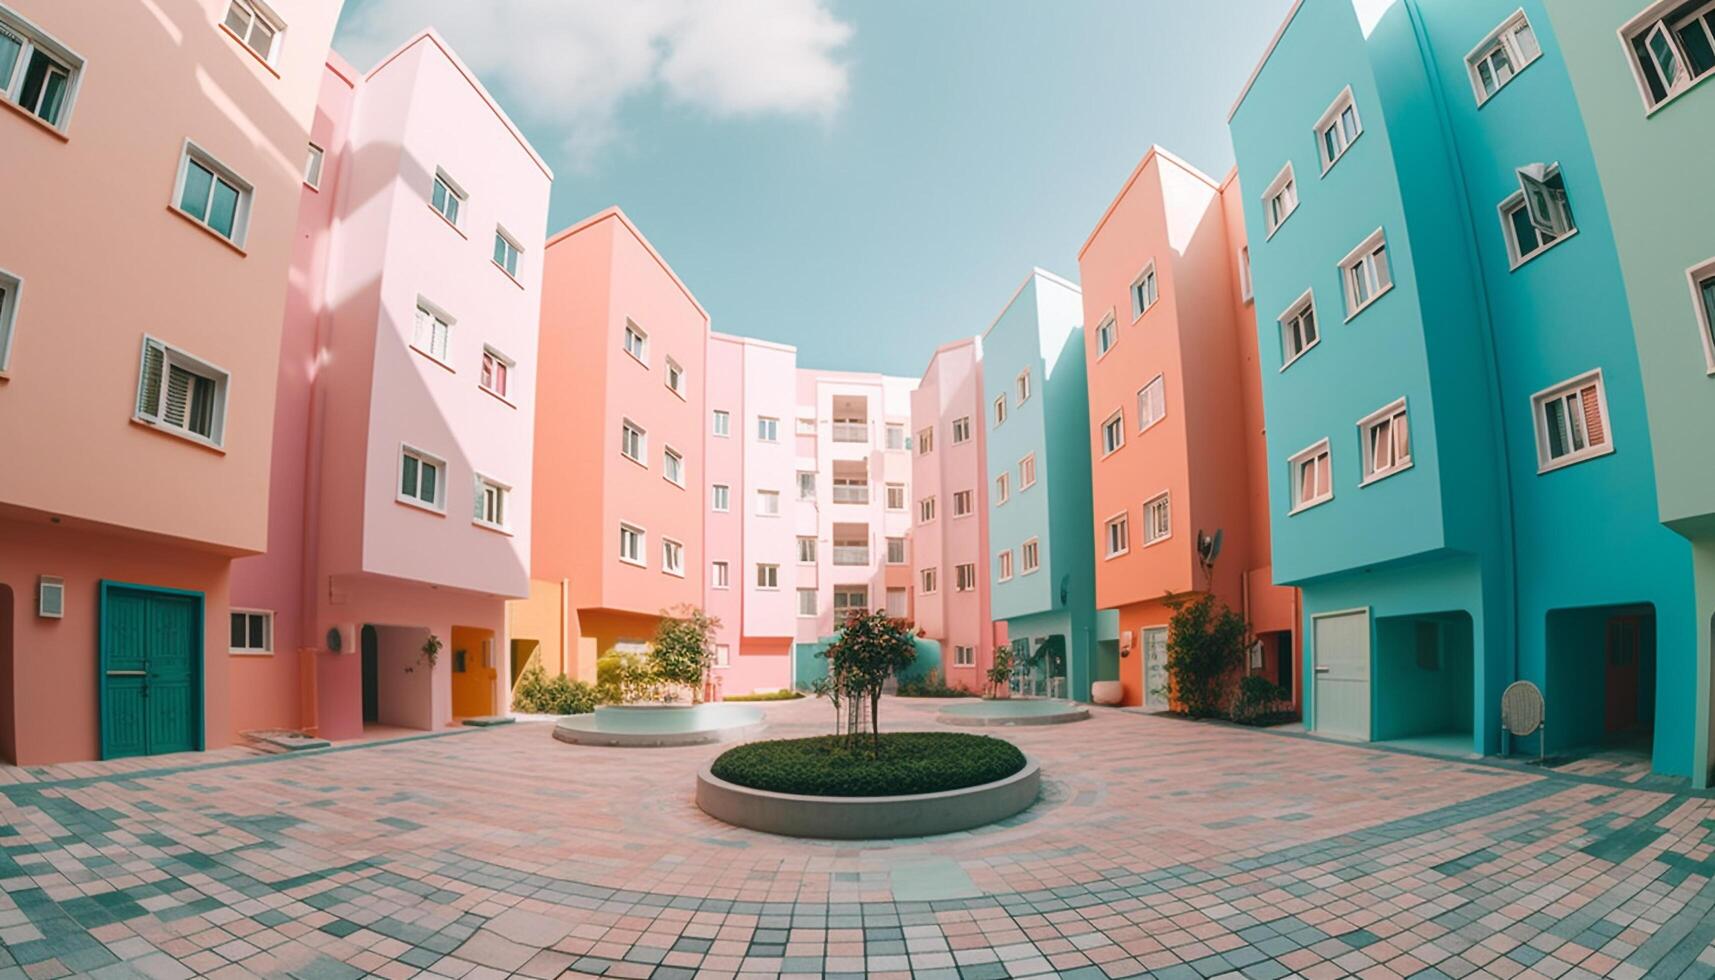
(1621,681)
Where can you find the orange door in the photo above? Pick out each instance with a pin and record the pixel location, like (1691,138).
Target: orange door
(1621,680)
(473,672)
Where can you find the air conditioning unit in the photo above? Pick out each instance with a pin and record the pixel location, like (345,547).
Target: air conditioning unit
(50,597)
(341,638)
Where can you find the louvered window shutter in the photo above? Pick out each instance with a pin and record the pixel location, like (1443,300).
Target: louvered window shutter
(149,381)
(1594,427)
(177,404)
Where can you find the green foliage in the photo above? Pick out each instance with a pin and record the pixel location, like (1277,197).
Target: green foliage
(622,677)
(537,693)
(1205,646)
(1259,700)
(684,648)
(1001,672)
(871,648)
(931,685)
(900,763)
(768,696)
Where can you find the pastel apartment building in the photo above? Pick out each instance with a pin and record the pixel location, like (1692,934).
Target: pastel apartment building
(123,508)
(1042,559)
(621,432)
(1174,422)
(404,428)
(754,554)
(1452,381)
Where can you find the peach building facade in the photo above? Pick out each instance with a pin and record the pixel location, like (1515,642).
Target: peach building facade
(1176,420)
(404,435)
(950,566)
(114,592)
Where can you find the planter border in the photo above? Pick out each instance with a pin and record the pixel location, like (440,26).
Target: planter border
(868,817)
(1073,712)
(653,740)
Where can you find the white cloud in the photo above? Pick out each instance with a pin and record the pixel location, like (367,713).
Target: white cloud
(568,65)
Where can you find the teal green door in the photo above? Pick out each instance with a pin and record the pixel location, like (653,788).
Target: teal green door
(151,683)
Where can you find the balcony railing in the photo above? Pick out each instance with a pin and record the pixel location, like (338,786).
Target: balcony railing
(851,493)
(851,554)
(851,431)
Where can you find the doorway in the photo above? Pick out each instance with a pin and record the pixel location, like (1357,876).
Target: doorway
(371,644)
(1155,683)
(1601,678)
(150,658)
(474,672)
(1342,669)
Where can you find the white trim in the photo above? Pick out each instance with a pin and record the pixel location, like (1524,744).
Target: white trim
(721,581)
(631,328)
(44,584)
(1023,550)
(666,568)
(715,504)
(240,208)
(33,38)
(1143,426)
(642,457)
(667,451)
(969,510)
(1514,202)
(501,233)
(258,11)
(14,289)
(1247,288)
(717,415)
(1031,459)
(457,192)
(490,350)
(762,493)
(1021,386)
(1366,462)
(267,649)
(1308,299)
(1108,326)
(439,504)
(185,361)
(1164,496)
(504,492)
(1642,24)
(1539,422)
(1122,518)
(999,409)
(673,367)
(1352,265)
(1331,117)
(642,561)
(1003,488)
(1118,416)
(1148,274)
(1506,36)
(1293,486)
(1694,275)
(320,156)
(439,314)
(1275,186)
(1003,565)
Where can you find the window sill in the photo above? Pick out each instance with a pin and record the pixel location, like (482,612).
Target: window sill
(508,275)
(1294,359)
(251,653)
(1379,477)
(1030,571)
(1367,304)
(487,526)
(205,229)
(678,483)
(1141,313)
(633,562)
(1270,235)
(435,360)
(1116,554)
(721,588)
(1573,459)
(676,391)
(633,460)
(669,571)
(314,187)
(247,49)
(1099,356)
(418,504)
(447,221)
(1483,100)
(1532,257)
(497,396)
(1161,540)
(634,357)
(1329,165)
(1675,97)
(1311,505)
(189,437)
(1105,454)
(1152,425)
(43,124)
(1026,486)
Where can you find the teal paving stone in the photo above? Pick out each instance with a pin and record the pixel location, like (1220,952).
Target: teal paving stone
(1358,938)
(420,957)
(326,968)
(1266,970)
(340,928)
(1178,971)
(983,971)
(672,973)
(801,964)
(592,964)
(1211,966)
(1244,956)
(689,944)
(649,954)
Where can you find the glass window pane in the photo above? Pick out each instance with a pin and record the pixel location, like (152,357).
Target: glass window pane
(258,631)
(1708,289)
(238,632)
(223,212)
(1554,415)
(1524,231)
(238,18)
(408,477)
(54,98)
(439,196)
(1698,51)
(10,48)
(427,491)
(198,180)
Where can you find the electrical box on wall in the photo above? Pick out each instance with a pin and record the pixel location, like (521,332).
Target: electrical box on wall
(50,597)
(341,638)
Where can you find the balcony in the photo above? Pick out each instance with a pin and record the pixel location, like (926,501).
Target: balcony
(850,493)
(847,431)
(851,554)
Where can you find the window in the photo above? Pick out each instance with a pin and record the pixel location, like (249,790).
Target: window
(1000,489)
(1538,215)
(1671,46)
(895,435)
(961,429)
(898,602)
(720,575)
(720,498)
(8,313)
(1572,422)
(925,441)
(1365,273)
(180,394)
(1143,292)
(962,503)
(723,656)
(896,551)
(1702,292)
(1298,332)
(1244,264)
(446,197)
(1116,536)
(807,427)
(258,30)
(672,557)
(768,577)
(313,166)
(637,343)
(1113,432)
(999,409)
(432,333)
(1003,565)
(1280,200)
(1337,128)
(1157,520)
(806,551)
(964,577)
(673,466)
(1501,55)
(631,545)
(1105,337)
(1023,386)
(1027,472)
(490,503)
(768,503)
(252,631)
(721,423)
(212,195)
(36,72)
(925,510)
(964,656)
(675,378)
(807,602)
(1386,439)
(850,600)
(496,372)
(806,486)
(1029,555)
(1151,403)
(1312,477)
(634,442)
(896,496)
(422,479)
(767,429)
(928,582)
(506,250)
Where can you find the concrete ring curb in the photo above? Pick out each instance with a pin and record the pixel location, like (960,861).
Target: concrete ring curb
(655,740)
(1071,714)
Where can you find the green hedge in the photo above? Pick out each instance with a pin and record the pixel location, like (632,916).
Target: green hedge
(909,762)
(539,694)
(770,696)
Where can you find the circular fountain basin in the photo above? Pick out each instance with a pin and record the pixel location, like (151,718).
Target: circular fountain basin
(1013,711)
(657,725)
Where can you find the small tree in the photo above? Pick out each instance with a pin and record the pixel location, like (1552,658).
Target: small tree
(1205,646)
(684,647)
(1001,672)
(871,648)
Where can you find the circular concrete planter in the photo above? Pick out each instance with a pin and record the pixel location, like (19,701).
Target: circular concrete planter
(1107,692)
(660,726)
(868,817)
(1013,711)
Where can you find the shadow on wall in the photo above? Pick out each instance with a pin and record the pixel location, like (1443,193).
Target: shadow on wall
(1601,676)
(1424,675)
(404,682)
(8,714)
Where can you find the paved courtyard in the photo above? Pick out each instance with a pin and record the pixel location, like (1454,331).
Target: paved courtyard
(1160,847)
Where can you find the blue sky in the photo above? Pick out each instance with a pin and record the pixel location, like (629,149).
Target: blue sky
(863,180)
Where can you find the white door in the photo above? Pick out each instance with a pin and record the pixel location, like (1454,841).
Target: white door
(1343,674)
(1155,668)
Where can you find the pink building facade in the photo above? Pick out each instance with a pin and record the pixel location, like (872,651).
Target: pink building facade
(115,567)
(950,508)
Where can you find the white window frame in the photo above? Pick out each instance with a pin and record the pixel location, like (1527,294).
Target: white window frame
(767,429)
(961,430)
(904,557)
(503,503)
(1696,276)
(1003,566)
(674,378)
(806,427)
(815,603)
(1027,472)
(965,577)
(672,557)
(1022,386)
(455,196)
(1001,489)
(255,11)
(1647,22)
(723,656)
(1333,118)
(1247,289)
(172,357)
(1389,416)
(439,504)
(720,498)
(511,250)
(928,580)
(642,456)
(489,352)
(1120,523)
(1503,40)
(925,440)
(764,496)
(1572,386)
(1030,556)
(897,499)
(767,577)
(964,656)
(636,337)
(1113,433)
(1144,291)
(1164,500)
(720,575)
(1299,504)
(1284,186)
(1147,417)
(32,39)
(895,436)
(999,409)
(11,288)
(670,456)
(641,559)
(1107,335)
(926,510)
(964,503)
(438,317)
(1548,227)
(806,546)
(1362,267)
(222,173)
(720,423)
(314,161)
(1287,320)
(267,647)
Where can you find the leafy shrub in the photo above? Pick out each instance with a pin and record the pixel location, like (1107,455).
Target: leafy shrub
(1000,674)
(624,678)
(766,696)
(1259,700)
(537,693)
(1205,646)
(871,649)
(903,763)
(684,649)
(931,685)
